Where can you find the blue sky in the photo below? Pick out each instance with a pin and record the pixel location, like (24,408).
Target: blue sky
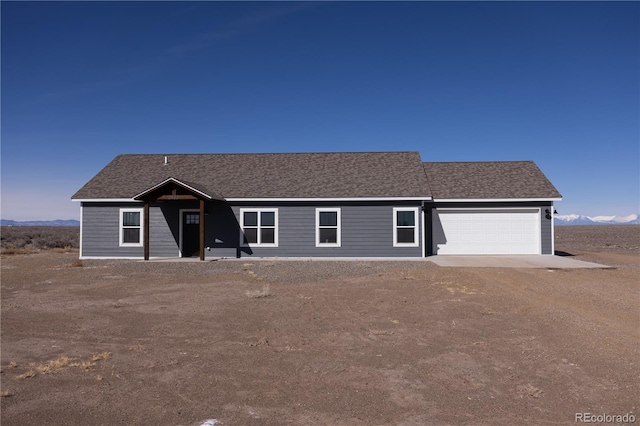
(553,82)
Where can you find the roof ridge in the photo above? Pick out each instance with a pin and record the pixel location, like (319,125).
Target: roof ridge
(271,153)
(478,162)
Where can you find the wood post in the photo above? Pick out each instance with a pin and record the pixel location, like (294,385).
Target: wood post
(146,230)
(201,229)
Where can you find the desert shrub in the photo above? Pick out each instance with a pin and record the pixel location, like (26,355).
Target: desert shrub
(31,238)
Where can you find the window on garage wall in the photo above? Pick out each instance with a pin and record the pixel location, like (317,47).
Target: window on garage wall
(405,227)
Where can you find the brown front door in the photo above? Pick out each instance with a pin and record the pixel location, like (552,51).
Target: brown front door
(190,234)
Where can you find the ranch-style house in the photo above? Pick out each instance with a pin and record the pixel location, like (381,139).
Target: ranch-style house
(306,205)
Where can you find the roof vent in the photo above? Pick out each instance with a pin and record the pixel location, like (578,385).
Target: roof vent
(166,160)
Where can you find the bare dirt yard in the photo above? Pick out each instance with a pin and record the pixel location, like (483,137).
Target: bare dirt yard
(107,342)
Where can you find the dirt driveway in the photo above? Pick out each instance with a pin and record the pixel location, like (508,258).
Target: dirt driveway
(362,343)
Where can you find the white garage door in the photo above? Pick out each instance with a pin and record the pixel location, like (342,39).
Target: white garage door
(508,231)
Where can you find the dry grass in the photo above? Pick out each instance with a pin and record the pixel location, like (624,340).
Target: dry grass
(102,356)
(77,264)
(11,249)
(138,348)
(259,294)
(54,365)
(86,364)
(61,362)
(529,390)
(5,394)
(26,375)
(91,361)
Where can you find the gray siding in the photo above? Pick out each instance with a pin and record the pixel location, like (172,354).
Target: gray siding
(546,231)
(367,231)
(546,243)
(100,228)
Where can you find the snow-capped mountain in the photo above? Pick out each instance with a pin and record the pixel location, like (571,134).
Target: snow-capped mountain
(577,219)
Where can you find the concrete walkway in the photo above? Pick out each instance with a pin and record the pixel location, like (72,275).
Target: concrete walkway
(515,261)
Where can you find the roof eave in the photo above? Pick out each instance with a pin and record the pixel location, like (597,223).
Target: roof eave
(274,199)
(99,200)
(493,200)
(301,199)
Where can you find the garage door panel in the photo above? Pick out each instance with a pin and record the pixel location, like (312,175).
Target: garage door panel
(502,231)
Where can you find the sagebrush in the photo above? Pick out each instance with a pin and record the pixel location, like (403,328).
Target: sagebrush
(25,238)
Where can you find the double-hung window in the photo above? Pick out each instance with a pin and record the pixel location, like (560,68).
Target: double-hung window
(130,227)
(405,227)
(328,228)
(259,227)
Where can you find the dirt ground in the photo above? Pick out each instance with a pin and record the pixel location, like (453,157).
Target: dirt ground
(316,343)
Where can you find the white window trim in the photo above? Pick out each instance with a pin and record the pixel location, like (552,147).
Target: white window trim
(259,211)
(416,230)
(81,229)
(338,242)
(121,227)
(553,231)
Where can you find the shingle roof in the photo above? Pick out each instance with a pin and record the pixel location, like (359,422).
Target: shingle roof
(287,175)
(488,180)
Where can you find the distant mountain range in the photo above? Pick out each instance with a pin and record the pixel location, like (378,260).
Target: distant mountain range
(577,219)
(57,222)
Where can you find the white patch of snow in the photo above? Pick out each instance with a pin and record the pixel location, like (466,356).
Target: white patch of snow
(602,218)
(567,217)
(211,422)
(629,218)
(575,219)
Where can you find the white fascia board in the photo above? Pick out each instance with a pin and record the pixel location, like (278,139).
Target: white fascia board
(456,209)
(106,200)
(81,228)
(490,200)
(174,180)
(331,199)
(120,200)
